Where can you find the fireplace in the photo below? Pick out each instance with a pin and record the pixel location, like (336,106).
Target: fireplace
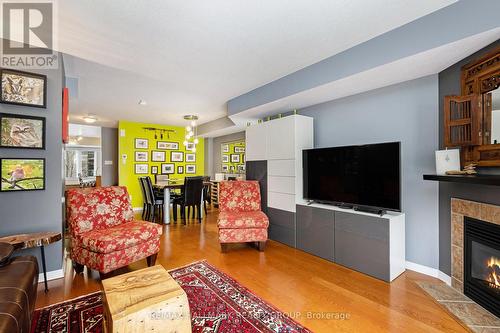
(482,263)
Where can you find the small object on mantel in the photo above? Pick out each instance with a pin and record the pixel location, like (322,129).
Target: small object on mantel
(470,169)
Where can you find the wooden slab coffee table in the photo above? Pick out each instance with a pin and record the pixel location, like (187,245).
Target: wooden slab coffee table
(147,300)
(37,239)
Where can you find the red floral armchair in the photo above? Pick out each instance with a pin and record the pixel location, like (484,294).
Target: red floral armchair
(240,216)
(104,234)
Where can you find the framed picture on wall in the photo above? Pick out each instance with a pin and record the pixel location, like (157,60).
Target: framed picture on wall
(190,168)
(19,174)
(241,168)
(225,148)
(18,131)
(141,156)
(23,88)
(180,169)
(225,158)
(235,158)
(239,149)
(141,143)
(190,146)
(167,168)
(141,169)
(225,168)
(157,156)
(190,157)
(176,156)
(167,145)
(154,170)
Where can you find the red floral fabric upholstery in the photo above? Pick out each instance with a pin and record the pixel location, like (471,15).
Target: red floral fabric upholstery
(239,196)
(105,235)
(242,235)
(232,220)
(118,237)
(107,262)
(240,218)
(97,208)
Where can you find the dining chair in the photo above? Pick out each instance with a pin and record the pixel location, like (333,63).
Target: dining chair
(155,202)
(207,198)
(145,205)
(189,198)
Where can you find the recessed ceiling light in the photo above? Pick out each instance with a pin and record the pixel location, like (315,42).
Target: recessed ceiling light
(142,102)
(90,119)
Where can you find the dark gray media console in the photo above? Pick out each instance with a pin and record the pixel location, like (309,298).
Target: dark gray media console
(368,243)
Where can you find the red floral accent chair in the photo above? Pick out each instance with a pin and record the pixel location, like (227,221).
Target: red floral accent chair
(105,235)
(240,216)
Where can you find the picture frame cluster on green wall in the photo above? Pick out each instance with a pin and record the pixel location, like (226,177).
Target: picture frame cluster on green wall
(233,157)
(141,155)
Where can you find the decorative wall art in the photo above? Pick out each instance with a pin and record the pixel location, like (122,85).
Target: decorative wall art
(167,145)
(18,174)
(190,146)
(233,155)
(154,170)
(190,168)
(141,169)
(167,168)
(235,158)
(141,156)
(18,131)
(225,168)
(176,156)
(141,143)
(157,156)
(180,169)
(23,88)
(190,157)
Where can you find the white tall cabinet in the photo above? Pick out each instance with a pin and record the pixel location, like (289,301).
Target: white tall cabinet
(280,142)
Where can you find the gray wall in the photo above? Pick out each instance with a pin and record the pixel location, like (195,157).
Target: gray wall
(216,151)
(449,84)
(25,212)
(405,112)
(109,152)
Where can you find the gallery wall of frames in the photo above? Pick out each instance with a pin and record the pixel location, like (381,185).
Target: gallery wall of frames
(233,157)
(22,132)
(150,149)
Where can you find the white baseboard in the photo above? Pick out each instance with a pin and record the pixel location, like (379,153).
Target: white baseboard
(429,271)
(137,209)
(52,275)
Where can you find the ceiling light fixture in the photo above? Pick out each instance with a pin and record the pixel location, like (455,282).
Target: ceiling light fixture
(143,102)
(90,118)
(191,133)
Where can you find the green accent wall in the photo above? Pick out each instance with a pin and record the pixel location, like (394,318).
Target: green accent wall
(129,131)
(233,148)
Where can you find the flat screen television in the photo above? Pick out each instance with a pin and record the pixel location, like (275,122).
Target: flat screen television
(365,176)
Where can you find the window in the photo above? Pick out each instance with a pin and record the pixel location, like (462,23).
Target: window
(81,162)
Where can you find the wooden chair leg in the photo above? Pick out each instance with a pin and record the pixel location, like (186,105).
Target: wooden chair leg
(223,247)
(262,246)
(151,260)
(199,212)
(174,211)
(205,206)
(143,211)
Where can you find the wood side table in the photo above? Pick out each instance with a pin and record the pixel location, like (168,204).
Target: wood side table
(38,239)
(149,298)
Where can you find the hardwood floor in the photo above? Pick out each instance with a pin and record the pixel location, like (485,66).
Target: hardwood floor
(295,282)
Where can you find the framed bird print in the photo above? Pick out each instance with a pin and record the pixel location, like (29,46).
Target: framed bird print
(23,88)
(20,174)
(19,131)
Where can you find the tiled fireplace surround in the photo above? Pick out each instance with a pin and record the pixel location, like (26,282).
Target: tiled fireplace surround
(459,209)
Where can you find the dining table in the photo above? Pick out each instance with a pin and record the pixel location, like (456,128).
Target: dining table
(171,184)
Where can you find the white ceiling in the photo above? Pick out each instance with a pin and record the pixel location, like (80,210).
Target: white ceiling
(193,56)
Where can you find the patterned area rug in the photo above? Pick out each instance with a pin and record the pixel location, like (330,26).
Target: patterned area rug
(217,303)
